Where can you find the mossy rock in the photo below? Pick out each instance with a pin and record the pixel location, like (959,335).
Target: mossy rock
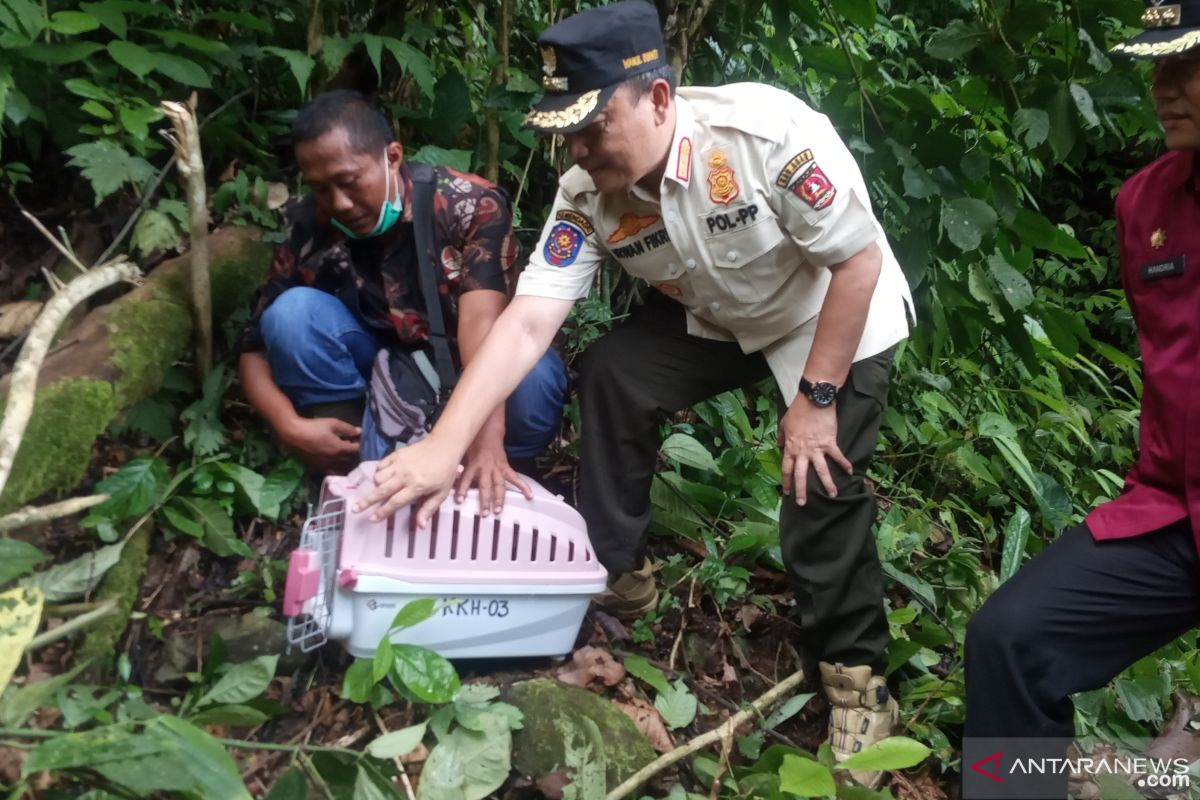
(118,356)
(57,447)
(571,728)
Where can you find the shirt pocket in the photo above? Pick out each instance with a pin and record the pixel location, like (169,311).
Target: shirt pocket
(744,261)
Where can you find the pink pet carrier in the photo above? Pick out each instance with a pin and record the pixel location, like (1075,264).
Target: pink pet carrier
(513,584)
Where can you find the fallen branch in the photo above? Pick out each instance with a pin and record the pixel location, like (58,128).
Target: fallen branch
(23,382)
(31,515)
(718,734)
(71,626)
(186,141)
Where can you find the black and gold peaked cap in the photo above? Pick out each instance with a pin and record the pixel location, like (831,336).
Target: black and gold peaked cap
(588,55)
(1171,29)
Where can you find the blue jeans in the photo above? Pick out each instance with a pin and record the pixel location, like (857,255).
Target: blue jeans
(319,353)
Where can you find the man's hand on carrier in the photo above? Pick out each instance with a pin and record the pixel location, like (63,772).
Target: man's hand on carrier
(421,473)
(486,466)
(808,438)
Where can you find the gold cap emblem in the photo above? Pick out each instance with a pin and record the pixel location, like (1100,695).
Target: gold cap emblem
(1158,239)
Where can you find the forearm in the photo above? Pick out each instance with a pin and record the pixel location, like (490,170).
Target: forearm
(478,312)
(843,316)
(263,394)
(512,347)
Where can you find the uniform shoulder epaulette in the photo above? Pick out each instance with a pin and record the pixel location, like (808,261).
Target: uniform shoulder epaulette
(754,108)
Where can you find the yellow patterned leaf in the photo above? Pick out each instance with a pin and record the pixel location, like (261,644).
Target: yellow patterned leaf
(20,613)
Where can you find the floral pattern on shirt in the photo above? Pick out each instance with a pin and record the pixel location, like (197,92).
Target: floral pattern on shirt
(474,248)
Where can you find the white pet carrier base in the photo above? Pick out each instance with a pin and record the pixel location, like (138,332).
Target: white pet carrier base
(510,585)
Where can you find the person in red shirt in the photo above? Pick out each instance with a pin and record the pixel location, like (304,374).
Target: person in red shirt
(1127,580)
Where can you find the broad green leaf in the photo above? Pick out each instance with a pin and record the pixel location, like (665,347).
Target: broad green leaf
(374,47)
(1141,696)
(789,709)
(18,705)
(85,88)
(22,18)
(238,716)
(384,658)
(894,752)
(358,681)
(133,57)
(219,533)
(678,706)
(155,231)
(244,19)
(70,23)
(686,450)
(981,289)
(20,613)
(1116,787)
(429,676)
(109,16)
(334,51)
(955,40)
(213,771)
(1014,287)
(243,682)
(108,167)
(805,777)
(477,693)
(1031,125)
(860,12)
(918,586)
(300,64)
(367,788)
(179,517)
(133,489)
(1037,231)
(96,110)
(1063,126)
(467,765)
(75,578)
(639,667)
(397,743)
(184,70)
(17,558)
(1016,536)
(414,63)
(279,486)
(966,221)
(414,612)
(249,481)
(995,425)
(136,119)
(59,54)
(291,785)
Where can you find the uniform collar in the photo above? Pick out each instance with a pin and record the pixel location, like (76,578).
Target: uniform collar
(679,162)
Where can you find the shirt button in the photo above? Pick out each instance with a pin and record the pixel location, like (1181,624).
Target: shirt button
(673,268)
(691,263)
(715,306)
(671,215)
(731,256)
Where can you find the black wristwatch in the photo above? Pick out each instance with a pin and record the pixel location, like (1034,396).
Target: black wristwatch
(821,393)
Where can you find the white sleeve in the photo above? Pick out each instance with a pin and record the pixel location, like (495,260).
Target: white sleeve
(567,255)
(819,193)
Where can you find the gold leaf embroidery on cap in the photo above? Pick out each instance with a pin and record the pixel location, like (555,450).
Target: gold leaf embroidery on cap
(565,117)
(1168,48)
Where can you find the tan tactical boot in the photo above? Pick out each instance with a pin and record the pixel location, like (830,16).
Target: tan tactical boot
(629,595)
(864,712)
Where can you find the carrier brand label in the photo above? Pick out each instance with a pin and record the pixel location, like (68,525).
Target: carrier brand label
(458,607)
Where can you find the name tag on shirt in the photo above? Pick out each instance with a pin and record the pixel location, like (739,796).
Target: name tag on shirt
(1164,269)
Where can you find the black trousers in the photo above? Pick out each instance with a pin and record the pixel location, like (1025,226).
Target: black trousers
(1069,621)
(650,366)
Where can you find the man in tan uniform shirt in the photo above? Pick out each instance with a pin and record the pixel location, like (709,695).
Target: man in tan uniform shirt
(741,206)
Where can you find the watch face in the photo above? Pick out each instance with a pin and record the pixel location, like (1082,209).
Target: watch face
(823,394)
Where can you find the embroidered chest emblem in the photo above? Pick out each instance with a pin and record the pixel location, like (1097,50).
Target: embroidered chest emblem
(631,225)
(1158,239)
(722,183)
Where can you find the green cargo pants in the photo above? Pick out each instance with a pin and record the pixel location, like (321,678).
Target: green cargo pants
(649,366)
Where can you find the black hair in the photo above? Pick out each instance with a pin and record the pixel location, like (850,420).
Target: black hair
(366,126)
(639,85)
